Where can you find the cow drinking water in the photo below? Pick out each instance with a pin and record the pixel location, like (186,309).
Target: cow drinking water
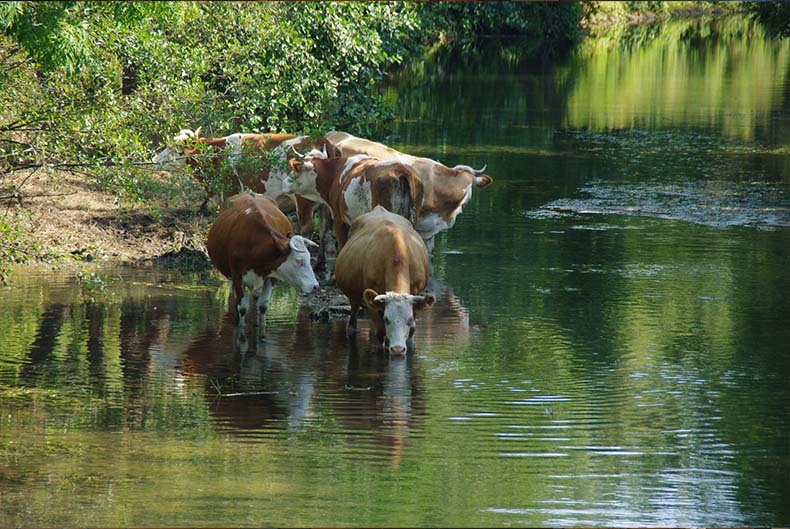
(251,243)
(385,264)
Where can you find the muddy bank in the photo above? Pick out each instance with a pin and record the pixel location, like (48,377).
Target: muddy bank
(59,216)
(59,221)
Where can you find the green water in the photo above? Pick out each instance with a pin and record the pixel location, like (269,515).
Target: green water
(610,346)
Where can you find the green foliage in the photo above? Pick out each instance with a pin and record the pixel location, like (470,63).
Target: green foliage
(138,72)
(550,27)
(774,15)
(11,249)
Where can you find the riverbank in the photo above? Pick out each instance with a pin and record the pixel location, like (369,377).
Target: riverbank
(60,220)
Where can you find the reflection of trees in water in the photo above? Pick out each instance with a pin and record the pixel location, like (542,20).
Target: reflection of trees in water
(48,330)
(307,376)
(104,348)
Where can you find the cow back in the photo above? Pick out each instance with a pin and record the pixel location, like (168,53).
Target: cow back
(249,232)
(384,253)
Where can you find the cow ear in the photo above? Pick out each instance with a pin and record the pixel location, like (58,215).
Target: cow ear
(283,244)
(296,164)
(483,181)
(424,302)
(370,298)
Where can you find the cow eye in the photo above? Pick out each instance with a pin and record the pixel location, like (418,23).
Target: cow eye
(411,321)
(386,320)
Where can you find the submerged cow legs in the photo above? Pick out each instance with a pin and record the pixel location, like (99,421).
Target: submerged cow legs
(262,297)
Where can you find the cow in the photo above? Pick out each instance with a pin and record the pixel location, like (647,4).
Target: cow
(225,161)
(445,190)
(251,243)
(385,264)
(352,186)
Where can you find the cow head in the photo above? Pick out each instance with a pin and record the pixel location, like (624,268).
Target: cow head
(173,152)
(302,179)
(397,312)
(451,191)
(468,178)
(296,269)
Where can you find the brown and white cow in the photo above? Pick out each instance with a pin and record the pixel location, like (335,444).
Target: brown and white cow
(350,187)
(445,189)
(251,243)
(267,175)
(385,263)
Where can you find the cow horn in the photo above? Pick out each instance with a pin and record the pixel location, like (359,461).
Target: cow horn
(300,244)
(197,132)
(480,171)
(297,153)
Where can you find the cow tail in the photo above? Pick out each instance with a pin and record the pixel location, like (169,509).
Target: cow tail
(416,192)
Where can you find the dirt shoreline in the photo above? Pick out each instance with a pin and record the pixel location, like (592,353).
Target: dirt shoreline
(59,216)
(68,225)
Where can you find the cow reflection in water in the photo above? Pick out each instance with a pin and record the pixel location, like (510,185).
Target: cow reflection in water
(311,371)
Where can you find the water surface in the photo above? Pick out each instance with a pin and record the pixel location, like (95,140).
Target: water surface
(609,347)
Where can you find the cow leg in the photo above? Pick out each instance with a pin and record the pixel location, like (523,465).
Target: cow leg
(429,243)
(264,296)
(341,234)
(325,237)
(242,303)
(204,207)
(352,322)
(377,320)
(304,212)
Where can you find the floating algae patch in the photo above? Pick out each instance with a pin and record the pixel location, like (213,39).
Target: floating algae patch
(719,204)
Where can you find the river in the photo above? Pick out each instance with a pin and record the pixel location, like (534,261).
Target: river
(609,348)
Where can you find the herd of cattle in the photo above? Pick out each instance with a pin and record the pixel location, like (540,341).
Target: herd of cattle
(384,207)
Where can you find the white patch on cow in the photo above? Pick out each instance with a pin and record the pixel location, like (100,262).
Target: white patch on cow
(358,198)
(233,149)
(351,163)
(169,156)
(315,153)
(465,200)
(432,223)
(282,182)
(296,270)
(386,163)
(248,211)
(184,135)
(303,184)
(398,318)
(279,183)
(293,141)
